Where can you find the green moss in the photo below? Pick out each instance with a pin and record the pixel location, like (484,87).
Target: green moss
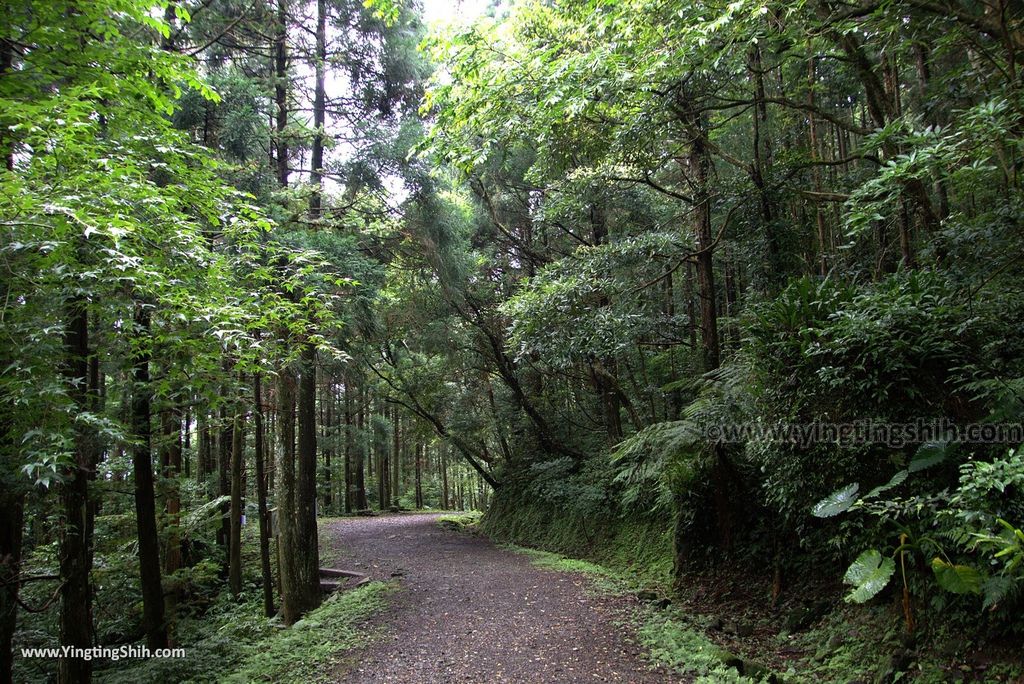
(605,579)
(461,522)
(641,547)
(554,561)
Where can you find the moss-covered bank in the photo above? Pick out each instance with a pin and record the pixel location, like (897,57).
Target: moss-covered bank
(640,546)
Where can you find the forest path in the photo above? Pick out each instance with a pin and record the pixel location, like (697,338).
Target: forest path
(472,612)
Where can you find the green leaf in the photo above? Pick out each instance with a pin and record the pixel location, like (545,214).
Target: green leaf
(928,455)
(868,575)
(837,502)
(160,26)
(896,480)
(957,579)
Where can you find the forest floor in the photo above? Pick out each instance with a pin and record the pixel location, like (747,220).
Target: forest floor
(469,611)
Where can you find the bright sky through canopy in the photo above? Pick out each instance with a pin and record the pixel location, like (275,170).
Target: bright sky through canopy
(445,11)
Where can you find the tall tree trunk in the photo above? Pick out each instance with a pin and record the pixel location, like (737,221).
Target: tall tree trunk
(812,128)
(444,477)
(359,476)
(306,588)
(319,111)
(187,445)
(288,572)
(882,106)
(12,486)
(301,556)
(699,167)
(235,534)
(499,426)
(76,533)
(922,60)
(349,438)
(261,498)
(327,410)
(419,476)
(761,165)
(171,462)
(145,497)
(281,92)
(383,465)
(203,452)
(225,440)
(396,456)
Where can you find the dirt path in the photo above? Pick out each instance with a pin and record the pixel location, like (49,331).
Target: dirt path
(471,612)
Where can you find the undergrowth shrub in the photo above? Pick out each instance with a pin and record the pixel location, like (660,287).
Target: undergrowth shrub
(824,353)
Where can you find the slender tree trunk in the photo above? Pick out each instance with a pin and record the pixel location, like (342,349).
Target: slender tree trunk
(444,478)
(348,445)
(396,455)
(225,440)
(12,493)
(187,445)
(691,308)
(301,555)
(306,590)
(699,166)
(75,542)
(271,459)
(319,110)
(360,465)
(281,92)
(327,409)
(235,535)
(419,476)
(288,572)
(203,453)
(172,449)
(823,243)
(762,162)
(383,464)
(882,107)
(261,498)
(145,497)
(499,427)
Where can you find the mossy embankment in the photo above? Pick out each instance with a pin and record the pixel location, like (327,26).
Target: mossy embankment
(638,546)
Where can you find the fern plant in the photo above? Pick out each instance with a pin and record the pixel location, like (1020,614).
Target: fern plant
(663,458)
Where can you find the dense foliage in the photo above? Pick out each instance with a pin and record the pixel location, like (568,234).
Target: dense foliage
(702,274)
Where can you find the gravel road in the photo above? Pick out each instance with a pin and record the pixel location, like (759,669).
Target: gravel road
(472,612)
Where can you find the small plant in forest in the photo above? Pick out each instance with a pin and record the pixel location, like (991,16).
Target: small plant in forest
(964,521)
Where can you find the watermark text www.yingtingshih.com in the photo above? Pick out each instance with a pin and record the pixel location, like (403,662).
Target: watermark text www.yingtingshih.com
(866,432)
(101,653)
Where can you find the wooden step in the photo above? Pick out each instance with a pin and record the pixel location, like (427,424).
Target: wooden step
(334,572)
